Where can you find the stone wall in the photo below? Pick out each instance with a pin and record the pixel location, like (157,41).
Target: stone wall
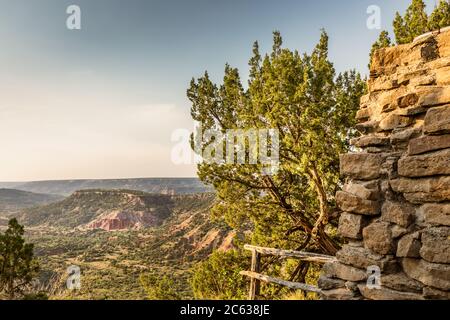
(396,200)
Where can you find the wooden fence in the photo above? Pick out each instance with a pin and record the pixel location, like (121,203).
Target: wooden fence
(256,277)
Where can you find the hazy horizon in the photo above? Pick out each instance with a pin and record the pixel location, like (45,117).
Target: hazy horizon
(102,102)
(106,179)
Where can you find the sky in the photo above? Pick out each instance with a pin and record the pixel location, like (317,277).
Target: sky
(102,102)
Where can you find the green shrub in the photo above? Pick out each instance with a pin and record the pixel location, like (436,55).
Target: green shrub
(218,277)
(159,288)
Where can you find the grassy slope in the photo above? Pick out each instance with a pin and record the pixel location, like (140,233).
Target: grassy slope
(11,199)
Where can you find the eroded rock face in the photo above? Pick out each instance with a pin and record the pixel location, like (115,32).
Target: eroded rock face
(396,196)
(123,220)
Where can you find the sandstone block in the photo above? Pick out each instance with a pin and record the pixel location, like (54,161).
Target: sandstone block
(405,77)
(378,238)
(399,213)
(411,111)
(365,99)
(401,282)
(363,114)
(370,141)
(409,246)
(428,143)
(362,258)
(368,126)
(351,203)
(362,166)
(435,294)
(437,120)
(339,294)
(436,245)
(402,136)
(326,283)
(393,121)
(398,231)
(435,163)
(387,294)
(407,100)
(442,62)
(432,96)
(443,76)
(351,225)
(443,40)
(431,274)
(382,83)
(435,213)
(342,271)
(435,189)
(426,80)
(362,191)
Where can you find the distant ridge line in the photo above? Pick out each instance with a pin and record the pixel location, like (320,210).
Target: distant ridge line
(152,185)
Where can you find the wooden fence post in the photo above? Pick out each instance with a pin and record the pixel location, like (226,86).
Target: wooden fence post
(254,283)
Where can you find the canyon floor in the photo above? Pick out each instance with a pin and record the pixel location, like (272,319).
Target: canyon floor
(115,236)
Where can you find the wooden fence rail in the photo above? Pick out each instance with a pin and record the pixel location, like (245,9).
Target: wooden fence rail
(256,277)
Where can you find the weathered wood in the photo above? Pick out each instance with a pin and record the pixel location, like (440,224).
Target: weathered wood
(305,256)
(254,283)
(289,284)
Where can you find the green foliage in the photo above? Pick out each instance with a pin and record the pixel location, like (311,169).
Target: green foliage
(440,17)
(159,288)
(416,21)
(412,24)
(314,111)
(218,277)
(36,296)
(17,263)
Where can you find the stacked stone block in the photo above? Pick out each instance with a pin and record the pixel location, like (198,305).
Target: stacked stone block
(396,200)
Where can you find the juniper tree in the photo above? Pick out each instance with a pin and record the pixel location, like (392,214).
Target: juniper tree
(314,113)
(440,17)
(412,24)
(17,263)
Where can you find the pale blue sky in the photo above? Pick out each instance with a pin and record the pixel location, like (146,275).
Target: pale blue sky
(103,101)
